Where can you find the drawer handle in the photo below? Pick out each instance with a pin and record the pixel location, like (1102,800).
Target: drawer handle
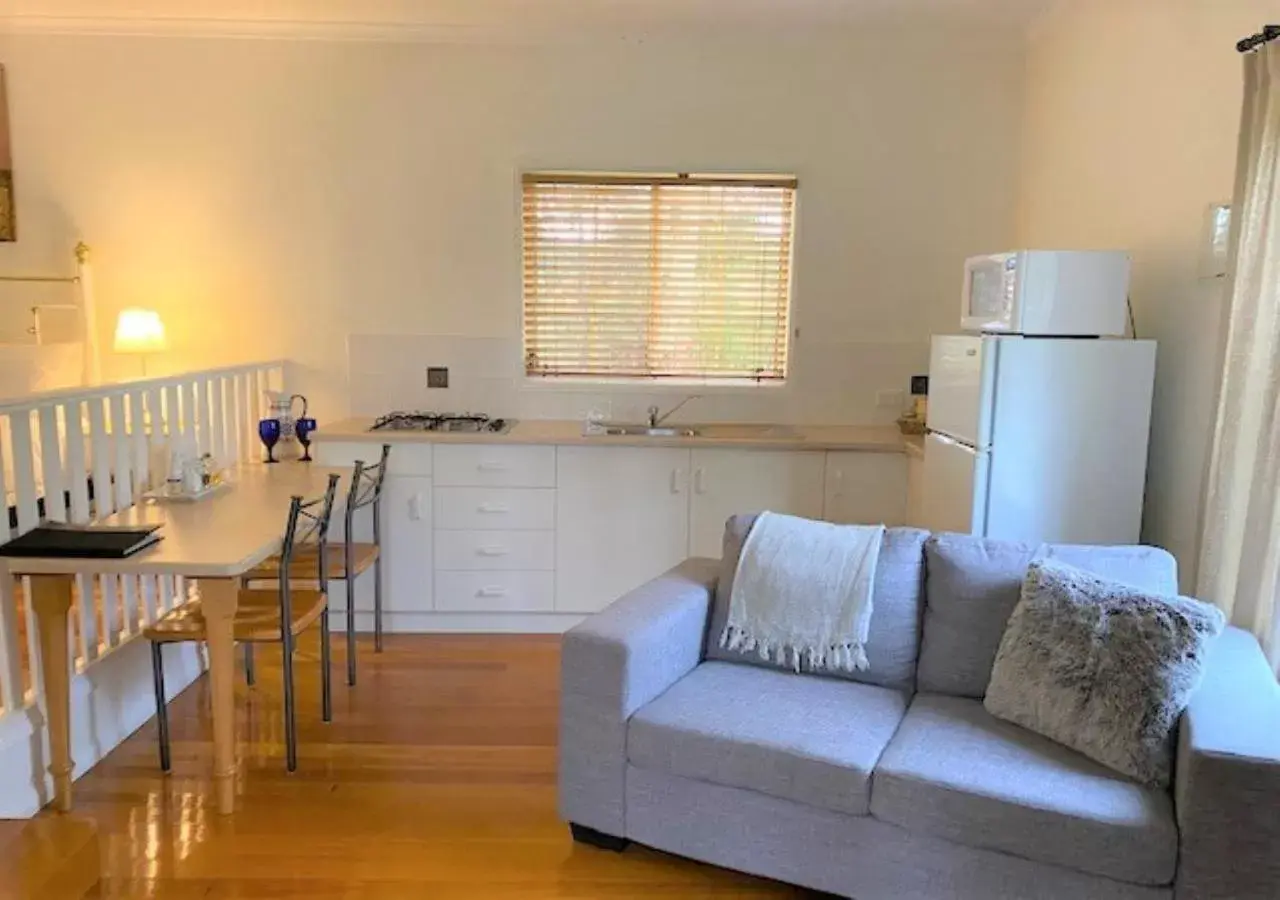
(491,592)
(492,467)
(492,508)
(492,551)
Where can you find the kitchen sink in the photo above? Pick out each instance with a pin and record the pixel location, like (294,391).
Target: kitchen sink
(712,431)
(617,430)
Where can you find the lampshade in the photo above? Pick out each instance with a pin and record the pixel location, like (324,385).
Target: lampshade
(140,331)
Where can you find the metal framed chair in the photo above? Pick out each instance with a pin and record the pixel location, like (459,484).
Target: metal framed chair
(347,560)
(276,615)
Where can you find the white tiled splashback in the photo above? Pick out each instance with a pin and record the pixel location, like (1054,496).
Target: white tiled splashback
(831,383)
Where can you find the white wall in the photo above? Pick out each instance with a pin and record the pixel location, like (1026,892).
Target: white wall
(1133,109)
(274,197)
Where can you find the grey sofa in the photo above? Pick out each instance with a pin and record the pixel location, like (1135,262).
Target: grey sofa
(896,782)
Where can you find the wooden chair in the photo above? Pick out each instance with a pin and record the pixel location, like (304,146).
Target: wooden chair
(276,615)
(347,561)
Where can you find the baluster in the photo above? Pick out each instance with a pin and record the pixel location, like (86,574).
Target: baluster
(78,489)
(235,428)
(248,417)
(203,388)
(121,443)
(139,446)
(26,494)
(55,501)
(172,411)
(24,471)
(100,453)
(217,388)
(11,694)
(147,421)
(166,593)
(189,406)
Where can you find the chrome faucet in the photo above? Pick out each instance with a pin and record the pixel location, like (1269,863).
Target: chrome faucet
(657,417)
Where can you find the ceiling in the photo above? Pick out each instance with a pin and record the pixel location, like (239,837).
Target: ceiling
(427,19)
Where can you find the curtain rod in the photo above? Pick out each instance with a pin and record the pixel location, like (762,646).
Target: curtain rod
(1254,41)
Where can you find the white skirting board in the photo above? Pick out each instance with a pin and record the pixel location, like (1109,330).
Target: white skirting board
(109,701)
(460,623)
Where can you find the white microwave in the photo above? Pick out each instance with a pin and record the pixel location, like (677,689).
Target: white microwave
(1047,292)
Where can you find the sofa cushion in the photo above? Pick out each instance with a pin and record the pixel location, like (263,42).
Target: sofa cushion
(955,771)
(897,600)
(972,585)
(799,737)
(1101,667)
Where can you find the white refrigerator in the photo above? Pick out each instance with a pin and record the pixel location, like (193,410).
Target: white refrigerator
(1038,439)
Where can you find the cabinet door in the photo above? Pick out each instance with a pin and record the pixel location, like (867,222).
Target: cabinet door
(866,488)
(726,482)
(407,543)
(622,518)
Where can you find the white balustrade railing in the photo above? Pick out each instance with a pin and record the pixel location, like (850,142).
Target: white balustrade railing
(82,453)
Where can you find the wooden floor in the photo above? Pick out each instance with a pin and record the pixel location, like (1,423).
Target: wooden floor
(436,779)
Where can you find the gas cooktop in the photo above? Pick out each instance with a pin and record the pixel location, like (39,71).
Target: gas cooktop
(476,423)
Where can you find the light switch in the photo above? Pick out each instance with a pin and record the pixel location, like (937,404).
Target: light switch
(415,507)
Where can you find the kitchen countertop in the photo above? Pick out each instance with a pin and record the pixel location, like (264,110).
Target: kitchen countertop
(870,438)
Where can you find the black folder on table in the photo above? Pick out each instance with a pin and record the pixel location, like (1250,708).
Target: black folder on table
(56,540)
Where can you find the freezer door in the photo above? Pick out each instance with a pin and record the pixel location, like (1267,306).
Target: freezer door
(955,486)
(961,382)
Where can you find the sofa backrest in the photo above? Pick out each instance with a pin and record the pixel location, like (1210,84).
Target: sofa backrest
(897,601)
(972,585)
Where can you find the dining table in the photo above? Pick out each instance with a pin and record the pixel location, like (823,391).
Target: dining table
(214,541)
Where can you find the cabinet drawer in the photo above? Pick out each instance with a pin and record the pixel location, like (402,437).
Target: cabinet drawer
(406,458)
(495,509)
(506,551)
(491,465)
(494,592)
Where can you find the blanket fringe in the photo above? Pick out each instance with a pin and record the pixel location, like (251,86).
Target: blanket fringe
(846,657)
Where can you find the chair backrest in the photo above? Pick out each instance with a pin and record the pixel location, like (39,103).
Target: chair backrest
(366,490)
(306,527)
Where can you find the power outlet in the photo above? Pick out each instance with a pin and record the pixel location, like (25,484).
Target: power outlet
(437,376)
(892,399)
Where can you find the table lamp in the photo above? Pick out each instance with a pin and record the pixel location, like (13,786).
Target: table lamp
(140,331)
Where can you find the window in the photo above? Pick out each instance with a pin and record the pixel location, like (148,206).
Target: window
(657,276)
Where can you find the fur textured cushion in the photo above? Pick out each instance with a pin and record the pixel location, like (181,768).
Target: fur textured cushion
(1101,667)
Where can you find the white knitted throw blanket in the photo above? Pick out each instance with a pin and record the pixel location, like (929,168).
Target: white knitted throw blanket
(802,593)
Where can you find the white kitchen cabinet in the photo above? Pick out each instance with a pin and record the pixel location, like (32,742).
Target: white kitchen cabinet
(866,488)
(406,541)
(622,518)
(727,482)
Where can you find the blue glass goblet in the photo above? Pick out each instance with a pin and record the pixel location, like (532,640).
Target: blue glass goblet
(269,432)
(304,428)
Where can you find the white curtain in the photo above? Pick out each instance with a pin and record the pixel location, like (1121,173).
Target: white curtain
(1240,542)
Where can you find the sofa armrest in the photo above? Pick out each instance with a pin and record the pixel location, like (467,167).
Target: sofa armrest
(1227,777)
(611,665)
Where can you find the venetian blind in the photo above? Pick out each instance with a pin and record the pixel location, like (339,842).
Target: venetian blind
(657,276)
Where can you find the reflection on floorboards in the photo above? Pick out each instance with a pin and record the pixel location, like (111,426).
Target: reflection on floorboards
(435,779)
